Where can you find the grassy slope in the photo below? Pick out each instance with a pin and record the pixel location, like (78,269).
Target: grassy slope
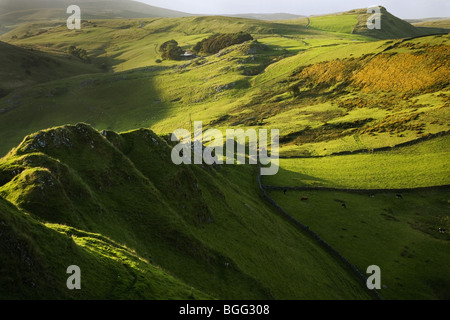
(19,11)
(130,45)
(35,257)
(22,67)
(210,220)
(163,96)
(355,22)
(422,165)
(139,50)
(345,23)
(391,26)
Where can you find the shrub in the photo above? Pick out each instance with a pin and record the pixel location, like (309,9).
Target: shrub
(294,90)
(79,53)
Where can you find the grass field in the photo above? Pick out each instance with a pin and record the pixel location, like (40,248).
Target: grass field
(422,165)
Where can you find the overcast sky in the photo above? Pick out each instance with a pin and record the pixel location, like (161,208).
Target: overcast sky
(401,8)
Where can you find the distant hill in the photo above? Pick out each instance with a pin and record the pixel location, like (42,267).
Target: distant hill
(17,11)
(414,21)
(392,27)
(267,16)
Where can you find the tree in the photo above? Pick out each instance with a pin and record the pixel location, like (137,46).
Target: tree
(170,50)
(79,53)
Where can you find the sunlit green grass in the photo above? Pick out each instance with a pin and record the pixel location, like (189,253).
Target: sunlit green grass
(335,23)
(241,250)
(422,165)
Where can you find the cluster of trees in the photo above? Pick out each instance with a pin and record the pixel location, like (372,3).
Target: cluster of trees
(79,53)
(170,50)
(217,42)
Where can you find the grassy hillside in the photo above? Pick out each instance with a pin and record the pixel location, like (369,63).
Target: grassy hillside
(75,185)
(268,16)
(250,86)
(443,23)
(25,67)
(355,22)
(355,109)
(20,11)
(129,44)
(335,23)
(391,26)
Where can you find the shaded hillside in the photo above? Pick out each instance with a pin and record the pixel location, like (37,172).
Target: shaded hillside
(23,67)
(34,258)
(112,198)
(355,101)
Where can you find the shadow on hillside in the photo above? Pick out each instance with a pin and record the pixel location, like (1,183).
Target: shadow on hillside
(117,101)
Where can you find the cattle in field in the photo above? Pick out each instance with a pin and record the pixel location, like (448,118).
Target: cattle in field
(399,196)
(305,199)
(344,206)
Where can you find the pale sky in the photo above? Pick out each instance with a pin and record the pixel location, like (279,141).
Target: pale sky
(405,9)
